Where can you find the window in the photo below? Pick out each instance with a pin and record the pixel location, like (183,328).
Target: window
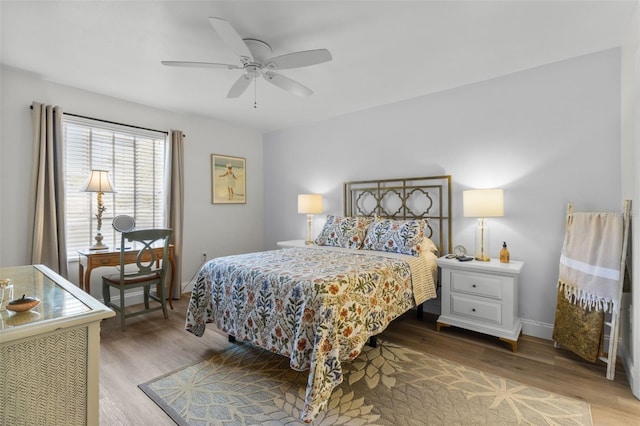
(136,160)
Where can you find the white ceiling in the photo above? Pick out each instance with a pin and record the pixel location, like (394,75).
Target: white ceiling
(383,51)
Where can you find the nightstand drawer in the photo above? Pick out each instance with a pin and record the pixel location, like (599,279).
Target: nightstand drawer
(479,309)
(477,284)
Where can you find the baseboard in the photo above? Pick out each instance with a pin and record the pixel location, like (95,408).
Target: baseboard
(627,362)
(187,288)
(537,329)
(545,331)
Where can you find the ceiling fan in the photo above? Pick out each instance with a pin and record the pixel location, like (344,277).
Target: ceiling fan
(256,61)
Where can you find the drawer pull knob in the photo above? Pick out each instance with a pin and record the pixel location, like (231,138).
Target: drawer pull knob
(473,285)
(473,309)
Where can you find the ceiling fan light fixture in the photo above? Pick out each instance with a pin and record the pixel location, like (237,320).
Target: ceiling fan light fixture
(259,49)
(255,57)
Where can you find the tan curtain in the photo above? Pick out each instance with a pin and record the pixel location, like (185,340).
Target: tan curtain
(47,213)
(176,203)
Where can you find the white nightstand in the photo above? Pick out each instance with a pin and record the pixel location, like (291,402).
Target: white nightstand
(292,243)
(481,296)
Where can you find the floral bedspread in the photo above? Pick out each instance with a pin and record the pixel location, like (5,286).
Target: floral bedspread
(317,307)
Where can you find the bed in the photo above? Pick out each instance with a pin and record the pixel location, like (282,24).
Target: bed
(318,305)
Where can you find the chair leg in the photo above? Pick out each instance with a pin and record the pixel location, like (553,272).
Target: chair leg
(146,296)
(122,315)
(163,301)
(106,293)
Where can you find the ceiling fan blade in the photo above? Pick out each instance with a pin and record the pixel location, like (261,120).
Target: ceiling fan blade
(230,36)
(189,64)
(240,85)
(287,84)
(299,59)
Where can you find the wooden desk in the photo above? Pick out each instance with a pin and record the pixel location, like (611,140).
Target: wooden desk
(90,259)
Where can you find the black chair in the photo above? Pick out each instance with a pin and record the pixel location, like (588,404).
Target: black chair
(149,270)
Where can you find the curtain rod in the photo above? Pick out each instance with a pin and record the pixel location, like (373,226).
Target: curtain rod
(111,122)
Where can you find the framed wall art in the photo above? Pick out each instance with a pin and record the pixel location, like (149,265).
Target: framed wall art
(228,180)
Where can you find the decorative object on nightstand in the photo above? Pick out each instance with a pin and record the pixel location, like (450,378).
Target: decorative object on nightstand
(99,182)
(504,253)
(460,251)
(481,296)
(483,203)
(309,204)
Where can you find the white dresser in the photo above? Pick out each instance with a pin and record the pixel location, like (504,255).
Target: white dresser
(481,296)
(49,355)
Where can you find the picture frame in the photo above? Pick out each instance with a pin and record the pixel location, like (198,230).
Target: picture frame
(228,179)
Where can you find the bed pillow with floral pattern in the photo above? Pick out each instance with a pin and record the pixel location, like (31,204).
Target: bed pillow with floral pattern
(346,232)
(396,236)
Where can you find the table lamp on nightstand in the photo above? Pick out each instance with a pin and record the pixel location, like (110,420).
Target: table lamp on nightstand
(309,204)
(99,182)
(483,203)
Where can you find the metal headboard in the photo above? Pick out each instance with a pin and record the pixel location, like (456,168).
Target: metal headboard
(406,198)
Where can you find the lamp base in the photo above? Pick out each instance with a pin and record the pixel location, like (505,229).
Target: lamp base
(482,241)
(98,245)
(309,239)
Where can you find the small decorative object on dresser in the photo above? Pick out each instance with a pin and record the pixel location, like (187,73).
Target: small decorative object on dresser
(23,304)
(6,293)
(481,296)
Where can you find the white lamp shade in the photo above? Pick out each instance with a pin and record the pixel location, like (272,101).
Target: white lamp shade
(309,203)
(98,182)
(483,203)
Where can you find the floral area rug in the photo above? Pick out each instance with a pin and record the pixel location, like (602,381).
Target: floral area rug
(386,385)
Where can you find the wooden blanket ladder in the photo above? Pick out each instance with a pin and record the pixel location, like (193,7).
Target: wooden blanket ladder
(613,324)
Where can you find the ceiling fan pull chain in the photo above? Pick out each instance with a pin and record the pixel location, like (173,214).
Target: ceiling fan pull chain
(255,93)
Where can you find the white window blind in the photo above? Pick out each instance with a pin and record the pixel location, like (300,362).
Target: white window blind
(136,160)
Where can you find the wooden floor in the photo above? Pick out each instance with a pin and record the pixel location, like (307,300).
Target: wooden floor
(152,346)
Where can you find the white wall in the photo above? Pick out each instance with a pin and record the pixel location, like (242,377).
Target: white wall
(630,171)
(548,135)
(214,229)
